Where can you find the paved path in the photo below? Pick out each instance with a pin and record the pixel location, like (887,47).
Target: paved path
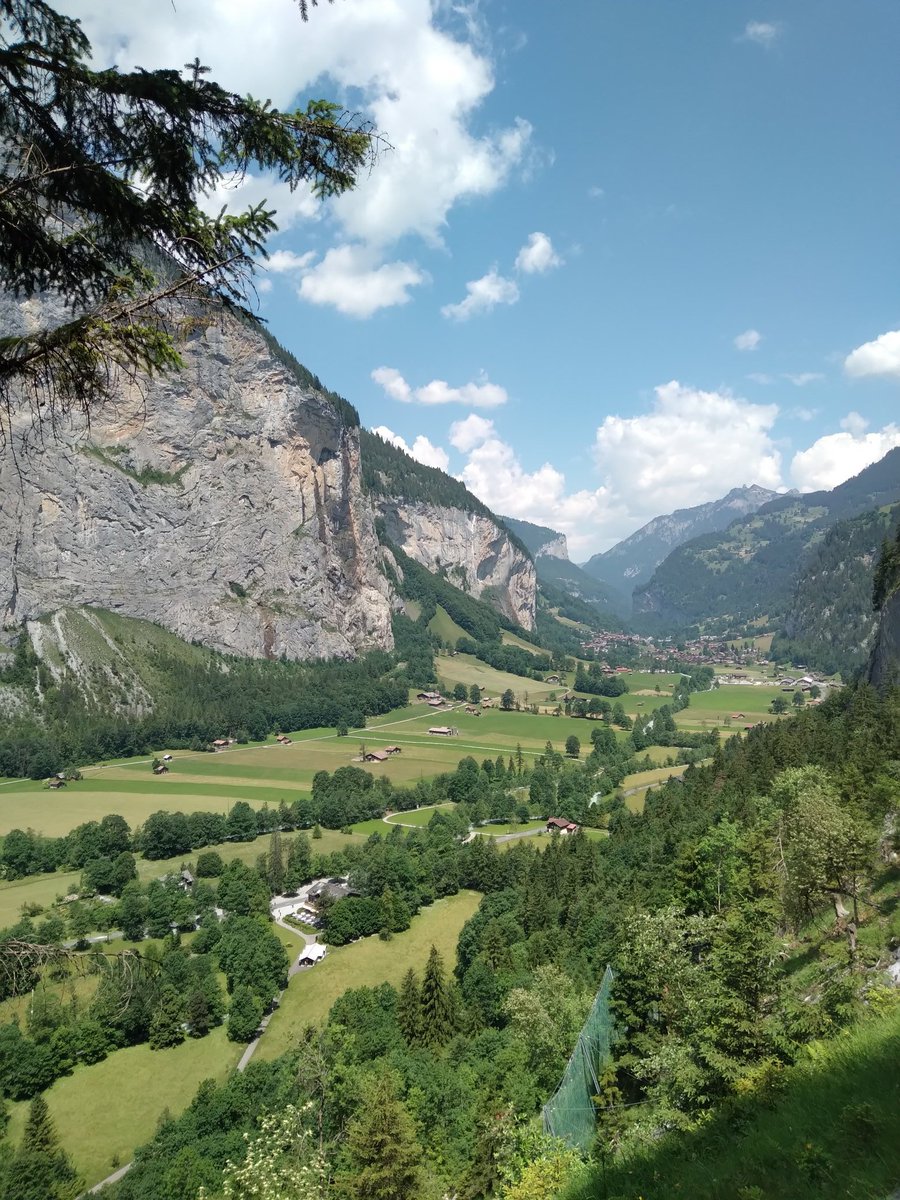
(307,939)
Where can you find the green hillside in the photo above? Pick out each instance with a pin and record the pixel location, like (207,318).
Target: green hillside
(749,570)
(830,622)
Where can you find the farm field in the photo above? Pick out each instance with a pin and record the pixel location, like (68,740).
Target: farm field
(108,1109)
(366,963)
(445,627)
(465,668)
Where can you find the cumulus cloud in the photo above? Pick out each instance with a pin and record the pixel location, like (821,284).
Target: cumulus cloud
(762,33)
(480,393)
(282,262)
(351,279)
(482,295)
(238,193)
(537,255)
(691,446)
(422,450)
(879,357)
(420,83)
(839,456)
(748,340)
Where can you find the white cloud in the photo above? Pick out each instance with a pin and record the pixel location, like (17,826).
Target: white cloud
(282,262)
(423,87)
(465,435)
(482,295)
(692,446)
(422,450)
(839,456)
(748,340)
(880,357)
(238,194)
(537,255)
(803,414)
(763,33)
(480,393)
(803,378)
(854,423)
(351,279)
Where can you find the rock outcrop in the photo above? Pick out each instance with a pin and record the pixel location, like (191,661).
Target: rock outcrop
(472,551)
(222,501)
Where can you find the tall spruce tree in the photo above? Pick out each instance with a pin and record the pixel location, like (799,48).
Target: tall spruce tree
(409,1008)
(40,1170)
(384,1153)
(436,1003)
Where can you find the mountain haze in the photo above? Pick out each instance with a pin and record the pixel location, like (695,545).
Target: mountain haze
(749,569)
(632,561)
(561,579)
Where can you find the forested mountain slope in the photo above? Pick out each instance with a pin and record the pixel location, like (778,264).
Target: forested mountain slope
(562,581)
(884,664)
(749,569)
(830,623)
(632,561)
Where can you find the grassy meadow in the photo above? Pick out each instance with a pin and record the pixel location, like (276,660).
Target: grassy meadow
(366,963)
(103,1112)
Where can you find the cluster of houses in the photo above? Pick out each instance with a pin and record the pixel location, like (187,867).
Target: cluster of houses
(432,699)
(803,684)
(378,756)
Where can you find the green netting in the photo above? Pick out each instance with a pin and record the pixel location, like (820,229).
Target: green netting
(569,1114)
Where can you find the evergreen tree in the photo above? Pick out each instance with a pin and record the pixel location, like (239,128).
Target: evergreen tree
(166,1025)
(409,1008)
(436,1004)
(276,864)
(383,1150)
(40,1170)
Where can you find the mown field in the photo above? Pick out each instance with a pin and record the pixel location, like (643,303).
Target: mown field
(367,963)
(102,1112)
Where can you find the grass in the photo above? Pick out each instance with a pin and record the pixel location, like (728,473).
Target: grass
(465,668)
(366,963)
(830,1132)
(498,829)
(110,1108)
(445,627)
(417,816)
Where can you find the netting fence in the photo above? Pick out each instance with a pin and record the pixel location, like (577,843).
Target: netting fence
(569,1114)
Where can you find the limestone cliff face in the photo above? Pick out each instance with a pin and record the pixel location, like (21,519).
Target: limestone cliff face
(476,555)
(222,501)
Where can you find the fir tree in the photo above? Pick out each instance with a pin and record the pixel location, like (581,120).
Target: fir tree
(436,1003)
(384,1153)
(40,1170)
(409,1008)
(276,864)
(165,1027)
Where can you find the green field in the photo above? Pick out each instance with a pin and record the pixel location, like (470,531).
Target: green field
(108,1109)
(498,829)
(366,963)
(465,668)
(445,627)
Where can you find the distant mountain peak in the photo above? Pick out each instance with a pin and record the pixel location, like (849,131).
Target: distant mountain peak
(539,539)
(632,561)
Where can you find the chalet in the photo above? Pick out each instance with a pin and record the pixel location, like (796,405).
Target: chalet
(561,825)
(738,716)
(332,889)
(283,739)
(487,702)
(160,769)
(186,879)
(553,679)
(393,749)
(311,954)
(167,758)
(473,712)
(56,783)
(428,696)
(435,703)
(220,743)
(375,756)
(442,730)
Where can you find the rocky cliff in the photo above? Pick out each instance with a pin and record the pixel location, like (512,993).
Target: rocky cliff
(222,501)
(471,549)
(541,541)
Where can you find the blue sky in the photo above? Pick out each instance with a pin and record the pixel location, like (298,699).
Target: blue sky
(624,254)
